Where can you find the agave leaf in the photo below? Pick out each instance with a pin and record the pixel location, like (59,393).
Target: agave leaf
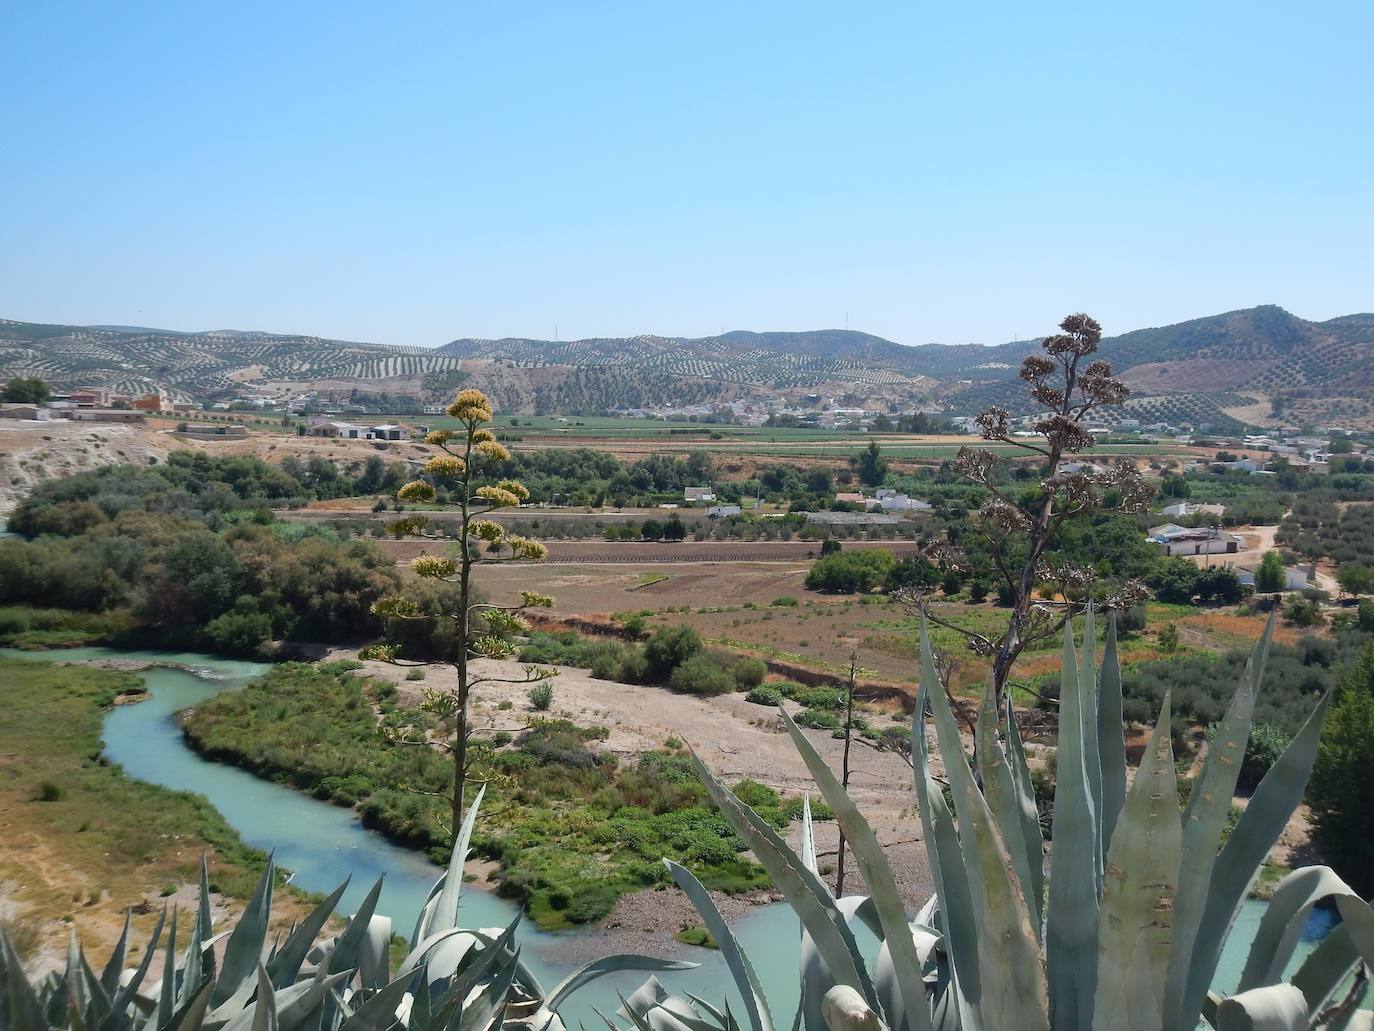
(191,1015)
(446,909)
(746,982)
(1016,996)
(736,960)
(1071,920)
(203,914)
(167,995)
(1134,921)
(1254,835)
(484,1009)
(877,875)
(999,788)
(613,964)
(1276,1007)
(74,981)
(808,841)
(421,931)
(1031,836)
(1204,819)
(816,979)
(244,948)
(1329,964)
(952,889)
(374,955)
(1092,756)
(97,1002)
(114,966)
(22,1009)
(265,1012)
(286,964)
(378,1013)
(119,1015)
(344,955)
(1284,919)
(193,972)
(809,897)
(1111,741)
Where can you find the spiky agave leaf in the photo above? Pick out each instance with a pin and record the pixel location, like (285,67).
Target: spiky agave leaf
(1012,976)
(244,948)
(736,960)
(809,897)
(877,875)
(1138,885)
(1254,835)
(1004,800)
(1071,918)
(1204,820)
(1111,739)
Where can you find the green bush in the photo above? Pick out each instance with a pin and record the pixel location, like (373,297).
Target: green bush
(785,602)
(1338,793)
(701,676)
(669,648)
(818,720)
(1267,742)
(541,697)
(850,572)
(765,695)
(749,672)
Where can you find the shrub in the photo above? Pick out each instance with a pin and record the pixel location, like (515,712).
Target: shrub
(1303,612)
(849,572)
(1131,621)
(785,602)
(541,697)
(416,674)
(1266,744)
(49,791)
(749,673)
(818,720)
(1168,637)
(702,676)
(668,648)
(1338,794)
(765,695)
(634,667)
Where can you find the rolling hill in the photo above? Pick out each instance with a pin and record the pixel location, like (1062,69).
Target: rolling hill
(1221,366)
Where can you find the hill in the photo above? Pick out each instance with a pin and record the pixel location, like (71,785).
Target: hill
(1253,365)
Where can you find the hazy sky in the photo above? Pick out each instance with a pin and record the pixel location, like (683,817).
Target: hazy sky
(408,173)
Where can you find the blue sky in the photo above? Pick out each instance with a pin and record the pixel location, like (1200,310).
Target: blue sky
(409,173)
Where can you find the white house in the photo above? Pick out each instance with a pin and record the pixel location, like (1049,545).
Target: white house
(1071,468)
(1294,579)
(32,413)
(1185,508)
(386,431)
(892,501)
(1179,540)
(721,511)
(698,494)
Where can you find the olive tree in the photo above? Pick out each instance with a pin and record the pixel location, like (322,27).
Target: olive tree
(481,629)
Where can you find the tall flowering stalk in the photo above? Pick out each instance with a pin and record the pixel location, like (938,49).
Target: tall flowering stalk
(483,630)
(1067,384)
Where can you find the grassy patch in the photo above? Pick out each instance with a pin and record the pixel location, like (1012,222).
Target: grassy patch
(698,936)
(83,840)
(570,828)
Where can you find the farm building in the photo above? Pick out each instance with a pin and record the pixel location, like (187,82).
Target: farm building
(147,403)
(721,511)
(1294,579)
(892,501)
(1180,509)
(208,429)
(31,413)
(698,494)
(1180,540)
(387,431)
(108,415)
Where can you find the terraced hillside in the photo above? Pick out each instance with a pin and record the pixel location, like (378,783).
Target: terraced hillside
(1253,366)
(201,366)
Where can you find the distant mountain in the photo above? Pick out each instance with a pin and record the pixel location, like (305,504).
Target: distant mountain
(1221,368)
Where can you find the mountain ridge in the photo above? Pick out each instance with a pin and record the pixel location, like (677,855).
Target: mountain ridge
(1233,359)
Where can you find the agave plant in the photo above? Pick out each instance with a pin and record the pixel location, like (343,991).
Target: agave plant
(1125,928)
(453,979)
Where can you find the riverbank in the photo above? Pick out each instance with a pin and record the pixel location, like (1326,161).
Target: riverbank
(79,840)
